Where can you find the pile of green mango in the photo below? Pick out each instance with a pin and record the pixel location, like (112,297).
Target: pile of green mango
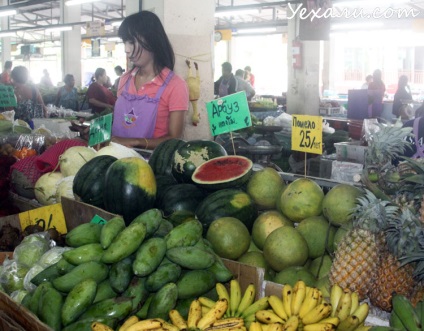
(113,271)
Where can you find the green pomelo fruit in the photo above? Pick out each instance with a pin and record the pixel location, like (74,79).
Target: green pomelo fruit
(339,202)
(340,233)
(253,247)
(324,285)
(321,266)
(229,237)
(285,247)
(314,229)
(301,199)
(265,223)
(265,187)
(292,274)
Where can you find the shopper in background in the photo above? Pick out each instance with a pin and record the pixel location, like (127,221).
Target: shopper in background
(226,84)
(29,101)
(67,96)
(46,80)
(152,99)
(368,80)
(242,85)
(417,140)
(376,90)
(100,97)
(118,71)
(5,75)
(402,97)
(248,76)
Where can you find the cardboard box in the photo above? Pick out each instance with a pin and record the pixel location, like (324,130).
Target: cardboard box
(350,151)
(14,317)
(4,256)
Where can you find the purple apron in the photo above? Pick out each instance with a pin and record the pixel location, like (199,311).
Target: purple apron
(135,115)
(420,148)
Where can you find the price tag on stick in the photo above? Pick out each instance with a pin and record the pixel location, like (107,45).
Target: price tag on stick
(307,134)
(100,130)
(47,217)
(229,113)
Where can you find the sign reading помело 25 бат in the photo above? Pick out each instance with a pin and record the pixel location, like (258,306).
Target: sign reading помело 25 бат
(307,134)
(228,113)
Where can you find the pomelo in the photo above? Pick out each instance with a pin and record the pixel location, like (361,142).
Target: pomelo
(265,186)
(253,247)
(229,237)
(256,259)
(265,223)
(292,274)
(321,266)
(340,233)
(339,202)
(314,230)
(301,199)
(285,247)
(324,285)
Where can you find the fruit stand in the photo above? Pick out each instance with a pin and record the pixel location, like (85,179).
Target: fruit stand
(203,239)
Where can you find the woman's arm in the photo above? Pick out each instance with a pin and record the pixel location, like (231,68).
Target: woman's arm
(176,126)
(98,103)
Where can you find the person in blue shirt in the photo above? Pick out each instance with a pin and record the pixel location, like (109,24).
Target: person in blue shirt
(67,96)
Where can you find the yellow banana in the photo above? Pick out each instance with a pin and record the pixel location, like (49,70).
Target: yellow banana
(363,327)
(214,314)
(128,322)
(205,310)
(317,314)
(344,306)
(286,297)
(268,317)
(265,327)
(277,305)
(249,319)
(348,324)
(235,296)
(275,327)
(310,302)
(332,320)
(167,326)
(232,322)
(355,302)
(292,323)
(247,299)
(148,324)
(177,319)
(222,291)
(255,326)
(319,327)
(299,293)
(194,314)
(362,312)
(336,293)
(97,326)
(259,304)
(206,302)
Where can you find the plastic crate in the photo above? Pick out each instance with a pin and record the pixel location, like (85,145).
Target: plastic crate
(350,151)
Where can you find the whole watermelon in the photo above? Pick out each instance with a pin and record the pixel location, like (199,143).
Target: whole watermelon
(192,154)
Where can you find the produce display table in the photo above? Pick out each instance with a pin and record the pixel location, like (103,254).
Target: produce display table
(58,126)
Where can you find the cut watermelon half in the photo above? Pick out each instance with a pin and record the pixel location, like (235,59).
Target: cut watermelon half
(223,172)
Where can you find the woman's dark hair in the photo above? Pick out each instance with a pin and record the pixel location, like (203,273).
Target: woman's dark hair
(146,29)
(20,74)
(403,81)
(119,69)
(68,78)
(99,72)
(8,65)
(226,66)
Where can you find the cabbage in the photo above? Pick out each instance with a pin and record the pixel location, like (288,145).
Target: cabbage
(52,256)
(30,253)
(12,276)
(18,295)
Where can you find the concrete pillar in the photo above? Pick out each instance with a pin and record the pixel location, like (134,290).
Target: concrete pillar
(303,90)
(6,48)
(71,42)
(190,28)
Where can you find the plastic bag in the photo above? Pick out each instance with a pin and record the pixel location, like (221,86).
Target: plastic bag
(31,141)
(12,276)
(32,247)
(369,127)
(9,115)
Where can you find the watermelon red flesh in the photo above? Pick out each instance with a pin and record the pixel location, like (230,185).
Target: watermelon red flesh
(222,169)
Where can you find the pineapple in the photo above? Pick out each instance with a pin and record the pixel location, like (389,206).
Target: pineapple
(357,257)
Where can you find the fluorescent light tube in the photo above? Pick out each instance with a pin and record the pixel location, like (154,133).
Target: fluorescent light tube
(8,12)
(256,30)
(78,2)
(7,34)
(227,13)
(59,28)
(116,23)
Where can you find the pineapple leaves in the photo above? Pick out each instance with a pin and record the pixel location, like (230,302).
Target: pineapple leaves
(414,164)
(417,179)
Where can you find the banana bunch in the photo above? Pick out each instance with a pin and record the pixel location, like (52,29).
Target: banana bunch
(211,320)
(241,304)
(404,316)
(133,323)
(347,308)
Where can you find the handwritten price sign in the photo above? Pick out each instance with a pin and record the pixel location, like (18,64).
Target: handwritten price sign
(229,113)
(307,134)
(47,217)
(7,96)
(100,130)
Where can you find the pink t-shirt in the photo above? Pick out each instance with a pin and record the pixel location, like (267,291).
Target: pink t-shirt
(174,98)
